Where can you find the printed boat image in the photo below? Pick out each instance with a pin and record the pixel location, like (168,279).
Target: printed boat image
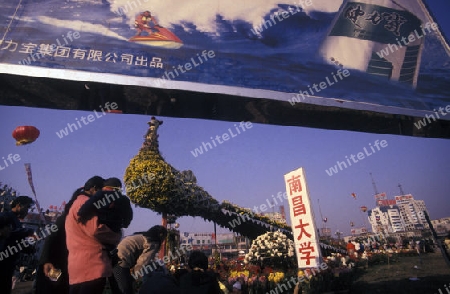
(163,38)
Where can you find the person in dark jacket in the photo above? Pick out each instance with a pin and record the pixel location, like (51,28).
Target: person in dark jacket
(112,208)
(14,242)
(199,280)
(53,256)
(5,229)
(159,281)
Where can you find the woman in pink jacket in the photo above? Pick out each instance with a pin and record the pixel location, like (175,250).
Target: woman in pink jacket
(89,264)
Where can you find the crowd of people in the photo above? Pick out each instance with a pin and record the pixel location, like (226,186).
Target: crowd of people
(85,250)
(358,247)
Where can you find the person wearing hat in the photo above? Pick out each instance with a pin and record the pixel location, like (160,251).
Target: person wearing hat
(136,251)
(14,236)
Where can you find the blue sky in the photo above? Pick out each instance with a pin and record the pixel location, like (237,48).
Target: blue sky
(246,170)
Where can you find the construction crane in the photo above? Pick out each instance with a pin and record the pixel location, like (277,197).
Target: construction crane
(373,184)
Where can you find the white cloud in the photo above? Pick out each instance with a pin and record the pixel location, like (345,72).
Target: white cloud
(203,13)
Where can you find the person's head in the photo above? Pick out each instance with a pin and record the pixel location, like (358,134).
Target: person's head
(156,234)
(147,13)
(113,183)
(93,185)
(20,205)
(198,260)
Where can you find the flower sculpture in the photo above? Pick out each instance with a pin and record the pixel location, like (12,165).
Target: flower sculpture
(168,190)
(153,183)
(272,249)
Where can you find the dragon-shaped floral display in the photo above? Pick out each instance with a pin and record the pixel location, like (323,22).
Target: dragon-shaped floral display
(172,192)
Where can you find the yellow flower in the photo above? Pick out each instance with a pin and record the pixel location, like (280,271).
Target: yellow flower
(236,274)
(279,276)
(276,277)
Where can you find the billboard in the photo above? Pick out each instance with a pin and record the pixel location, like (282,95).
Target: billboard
(358,231)
(380,196)
(365,55)
(326,232)
(196,238)
(403,198)
(225,238)
(386,202)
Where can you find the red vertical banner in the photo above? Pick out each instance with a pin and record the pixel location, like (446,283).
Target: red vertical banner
(302,219)
(30,181)
(30,177)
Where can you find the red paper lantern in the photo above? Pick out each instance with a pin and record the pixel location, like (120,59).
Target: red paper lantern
(363,208)
(25,135)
